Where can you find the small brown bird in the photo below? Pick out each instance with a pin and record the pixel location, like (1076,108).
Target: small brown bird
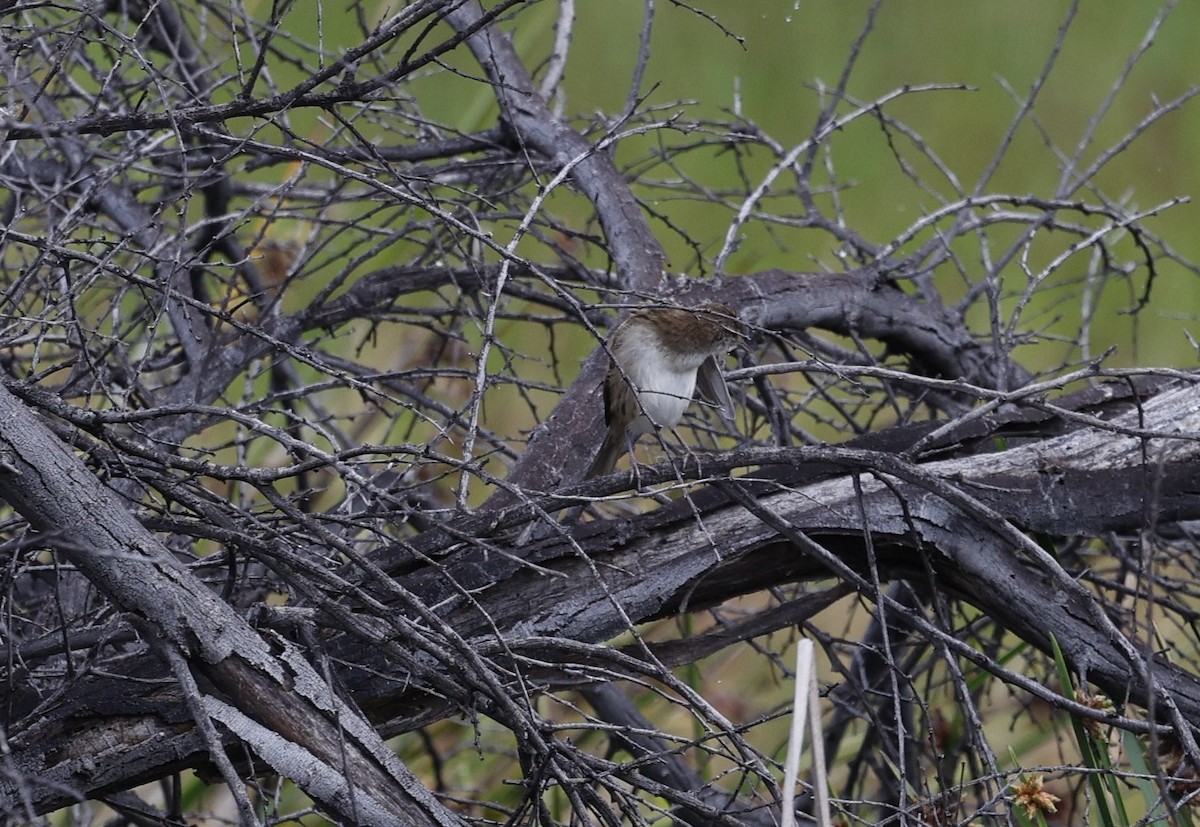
(659,356)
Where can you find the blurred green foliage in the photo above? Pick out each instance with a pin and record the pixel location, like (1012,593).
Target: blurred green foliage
(790,50)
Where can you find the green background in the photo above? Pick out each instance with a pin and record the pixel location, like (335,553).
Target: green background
(790,50)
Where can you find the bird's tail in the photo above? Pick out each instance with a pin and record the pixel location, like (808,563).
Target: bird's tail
(611,450)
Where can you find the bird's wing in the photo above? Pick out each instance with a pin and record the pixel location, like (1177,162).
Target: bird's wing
(711,384)
(610,382)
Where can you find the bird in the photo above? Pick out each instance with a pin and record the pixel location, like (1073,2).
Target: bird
(659,356)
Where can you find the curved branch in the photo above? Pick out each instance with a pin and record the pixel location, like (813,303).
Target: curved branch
(269,695)
(634,249)
(964,519)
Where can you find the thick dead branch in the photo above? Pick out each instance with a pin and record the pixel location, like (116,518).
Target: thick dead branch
(960,523)
(297,392)
(265,693)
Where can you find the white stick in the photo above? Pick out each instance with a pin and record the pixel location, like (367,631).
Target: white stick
(800,703)
(820,782)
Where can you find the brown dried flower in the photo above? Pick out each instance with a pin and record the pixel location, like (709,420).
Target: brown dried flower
(1029,793)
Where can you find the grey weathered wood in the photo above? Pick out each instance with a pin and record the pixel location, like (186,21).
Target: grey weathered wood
(269,696)
(965,516)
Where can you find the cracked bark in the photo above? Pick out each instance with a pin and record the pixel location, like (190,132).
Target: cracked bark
(918,514)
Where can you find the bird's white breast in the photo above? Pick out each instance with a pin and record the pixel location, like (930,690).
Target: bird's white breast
(665,380)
